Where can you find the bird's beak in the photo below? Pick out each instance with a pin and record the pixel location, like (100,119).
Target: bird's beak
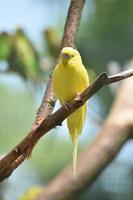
(65,58)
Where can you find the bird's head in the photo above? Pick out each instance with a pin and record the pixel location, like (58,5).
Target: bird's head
(70,56)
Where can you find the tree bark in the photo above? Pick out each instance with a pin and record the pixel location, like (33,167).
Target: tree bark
(117,129)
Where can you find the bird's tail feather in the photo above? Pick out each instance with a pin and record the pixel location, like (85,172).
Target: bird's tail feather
(75,124)
(75,144)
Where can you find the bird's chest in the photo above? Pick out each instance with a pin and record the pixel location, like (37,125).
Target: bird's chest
(68,85)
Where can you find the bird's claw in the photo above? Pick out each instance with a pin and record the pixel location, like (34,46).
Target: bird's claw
(60,124)
(78,98)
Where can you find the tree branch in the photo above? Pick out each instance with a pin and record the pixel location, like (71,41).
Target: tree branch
(68,40)
(118,128)
(13,158)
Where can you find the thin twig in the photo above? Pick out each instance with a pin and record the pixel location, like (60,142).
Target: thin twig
(55,119)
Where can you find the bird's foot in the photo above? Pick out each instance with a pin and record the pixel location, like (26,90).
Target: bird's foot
(78,98)
(60,124)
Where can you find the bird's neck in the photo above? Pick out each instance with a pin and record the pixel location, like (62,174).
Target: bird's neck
(71,64)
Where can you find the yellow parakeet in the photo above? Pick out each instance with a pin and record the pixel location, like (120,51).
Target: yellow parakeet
(69,79)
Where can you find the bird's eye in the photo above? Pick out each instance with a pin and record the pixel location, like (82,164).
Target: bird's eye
(72,55)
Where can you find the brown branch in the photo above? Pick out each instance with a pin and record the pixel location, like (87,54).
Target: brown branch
(51,121)
(118,128)
(23,150)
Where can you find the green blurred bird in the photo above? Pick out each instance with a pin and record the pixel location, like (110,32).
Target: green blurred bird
(52,41)
(25,58)
(5,46)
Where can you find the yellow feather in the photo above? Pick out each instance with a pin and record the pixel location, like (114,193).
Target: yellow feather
(69,79)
